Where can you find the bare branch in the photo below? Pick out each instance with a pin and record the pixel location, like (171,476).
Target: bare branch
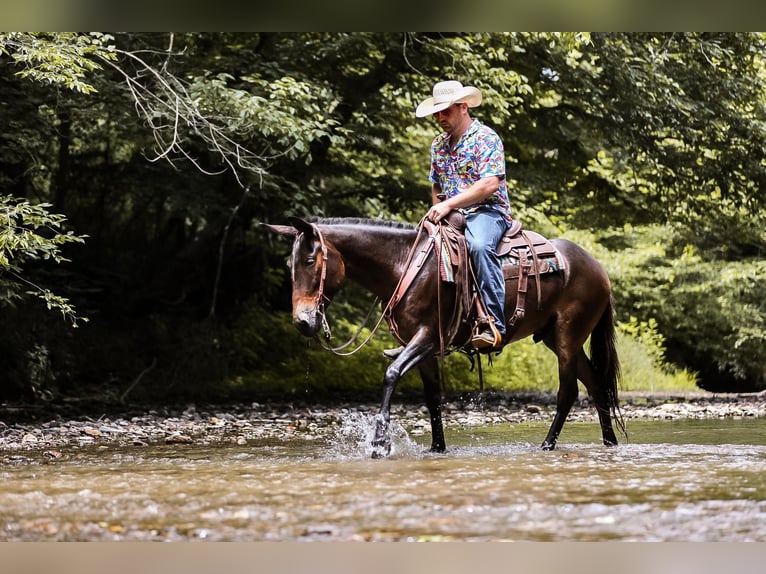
(162,100)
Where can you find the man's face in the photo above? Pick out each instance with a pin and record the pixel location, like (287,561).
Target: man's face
(450,118)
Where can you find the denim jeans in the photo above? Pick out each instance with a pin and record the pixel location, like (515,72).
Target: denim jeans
(484,228)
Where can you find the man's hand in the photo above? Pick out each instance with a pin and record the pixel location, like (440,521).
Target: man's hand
(476,193)
(438,212)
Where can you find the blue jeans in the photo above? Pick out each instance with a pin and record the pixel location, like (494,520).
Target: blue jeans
(483,231)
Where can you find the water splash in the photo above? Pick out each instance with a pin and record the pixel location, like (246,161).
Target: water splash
(353,438)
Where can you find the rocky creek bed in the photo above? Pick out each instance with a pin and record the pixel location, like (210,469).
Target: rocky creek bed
(30,431)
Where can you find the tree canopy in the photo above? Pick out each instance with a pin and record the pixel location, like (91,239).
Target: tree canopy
(144,164)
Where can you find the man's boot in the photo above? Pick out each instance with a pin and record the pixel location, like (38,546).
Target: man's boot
(485,335)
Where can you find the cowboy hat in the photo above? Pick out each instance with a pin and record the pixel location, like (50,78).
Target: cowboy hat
(446,94)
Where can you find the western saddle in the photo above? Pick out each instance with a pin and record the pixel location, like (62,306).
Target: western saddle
(522,252)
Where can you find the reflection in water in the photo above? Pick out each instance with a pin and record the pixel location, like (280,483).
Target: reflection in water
(681,480)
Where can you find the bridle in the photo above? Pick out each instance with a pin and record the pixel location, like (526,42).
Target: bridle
(321,301)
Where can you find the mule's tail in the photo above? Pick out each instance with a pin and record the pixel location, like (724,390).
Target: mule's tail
(606,363)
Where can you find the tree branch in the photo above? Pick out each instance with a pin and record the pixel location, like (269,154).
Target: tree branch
(163,101)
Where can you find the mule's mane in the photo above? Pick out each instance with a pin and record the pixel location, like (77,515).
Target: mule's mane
(362,221)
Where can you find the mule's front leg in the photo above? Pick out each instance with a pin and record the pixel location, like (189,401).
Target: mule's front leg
(411,356)
(381,443)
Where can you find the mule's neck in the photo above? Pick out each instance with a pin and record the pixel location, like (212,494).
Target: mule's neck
(374,256)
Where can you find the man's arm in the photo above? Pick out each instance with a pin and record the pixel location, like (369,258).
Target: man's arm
(477,193)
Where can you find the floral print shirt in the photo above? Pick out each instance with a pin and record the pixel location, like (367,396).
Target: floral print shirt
(478,154)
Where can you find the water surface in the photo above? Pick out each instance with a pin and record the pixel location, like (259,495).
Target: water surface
(690,480)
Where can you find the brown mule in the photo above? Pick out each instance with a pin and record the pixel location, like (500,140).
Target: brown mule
(572,305)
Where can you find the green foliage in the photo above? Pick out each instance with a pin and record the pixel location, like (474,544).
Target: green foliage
(64,58)
(710,313)
(641,369)
(21,228)
(646,148)
(646,334)
(30,233)
(294,113)
(646,128)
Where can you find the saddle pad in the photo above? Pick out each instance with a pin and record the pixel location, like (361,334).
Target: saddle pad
(510,265)
(446,269)
(545,264)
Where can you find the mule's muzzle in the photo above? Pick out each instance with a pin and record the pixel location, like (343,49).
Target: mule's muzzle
(307,321)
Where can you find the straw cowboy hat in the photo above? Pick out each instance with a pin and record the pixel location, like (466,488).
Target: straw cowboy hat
(446,94)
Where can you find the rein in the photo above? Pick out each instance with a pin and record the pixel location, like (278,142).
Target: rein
(328,334)
(435,238)
(401,287)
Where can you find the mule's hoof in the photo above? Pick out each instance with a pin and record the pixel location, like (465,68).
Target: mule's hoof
(381,450)
(548,446)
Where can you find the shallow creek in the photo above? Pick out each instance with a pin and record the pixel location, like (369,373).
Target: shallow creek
(682,480)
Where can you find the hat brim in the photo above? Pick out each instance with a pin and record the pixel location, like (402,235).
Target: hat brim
(428,107)
(468,95)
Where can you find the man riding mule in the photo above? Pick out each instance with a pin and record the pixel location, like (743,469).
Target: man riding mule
(468,174)
(562,310)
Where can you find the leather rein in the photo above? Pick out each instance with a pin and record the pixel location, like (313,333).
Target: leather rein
(405,280)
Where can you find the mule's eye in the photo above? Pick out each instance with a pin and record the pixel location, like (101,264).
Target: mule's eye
(310,261)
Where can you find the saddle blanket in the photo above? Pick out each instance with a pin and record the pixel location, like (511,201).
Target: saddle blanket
(509,263)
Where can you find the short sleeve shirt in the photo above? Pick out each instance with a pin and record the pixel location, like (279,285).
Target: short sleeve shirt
(478,154)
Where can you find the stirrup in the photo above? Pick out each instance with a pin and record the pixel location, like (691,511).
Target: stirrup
(485,335)
(393,353)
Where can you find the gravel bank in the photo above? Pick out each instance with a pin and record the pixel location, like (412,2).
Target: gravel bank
(49,433)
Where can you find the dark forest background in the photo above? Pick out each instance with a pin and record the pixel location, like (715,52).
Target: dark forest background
(136,169)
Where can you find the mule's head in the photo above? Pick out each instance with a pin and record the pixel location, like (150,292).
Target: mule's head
(317,270)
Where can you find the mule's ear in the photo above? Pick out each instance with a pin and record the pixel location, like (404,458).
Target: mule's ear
(301,225)
(281,229)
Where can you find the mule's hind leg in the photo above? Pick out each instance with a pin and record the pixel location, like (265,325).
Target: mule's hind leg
(429,372)
(599,396)
(565,398)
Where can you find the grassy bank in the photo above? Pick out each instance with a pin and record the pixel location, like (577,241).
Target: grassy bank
(302,369)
